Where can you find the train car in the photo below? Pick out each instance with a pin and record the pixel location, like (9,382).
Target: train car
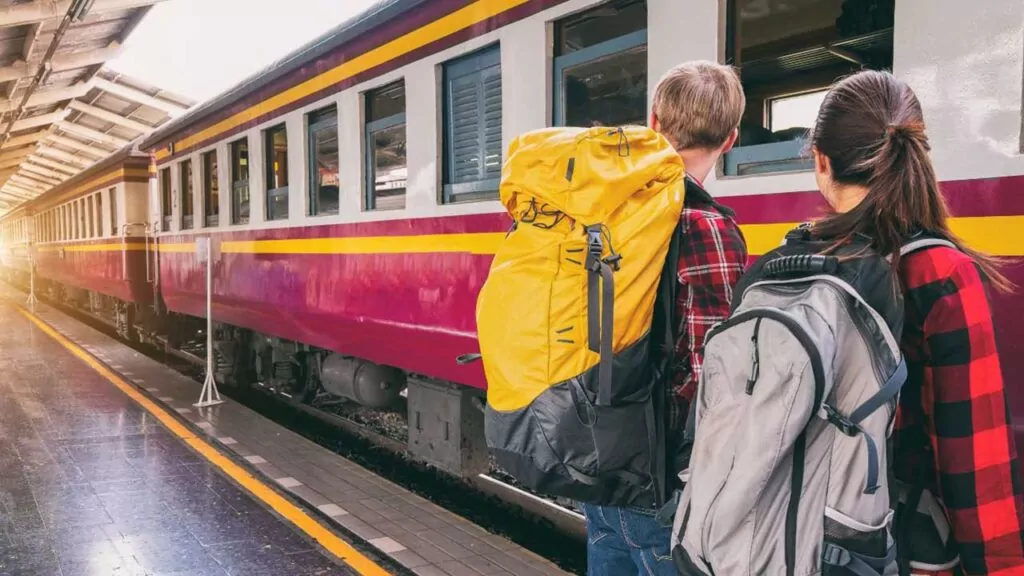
(350,191)
(92,240)
(16,228)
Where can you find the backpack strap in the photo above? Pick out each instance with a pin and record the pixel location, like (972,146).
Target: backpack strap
(850,425)
(856,563)
(920,243)
(600,308)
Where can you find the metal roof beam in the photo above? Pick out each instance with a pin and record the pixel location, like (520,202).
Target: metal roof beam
(64,156)
(171,108)
(47,183)
(76,145)
(40,10)
(47,97)
(96,135)
(28,184)
(41,120)
(111,117)
(52,164)
(22,69)
(58,176)
(25,139)
(15,155)
(27,193)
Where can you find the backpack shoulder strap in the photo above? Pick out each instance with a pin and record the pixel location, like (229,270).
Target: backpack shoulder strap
(921,243)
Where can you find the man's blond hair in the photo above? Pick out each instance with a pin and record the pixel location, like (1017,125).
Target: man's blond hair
(698,104)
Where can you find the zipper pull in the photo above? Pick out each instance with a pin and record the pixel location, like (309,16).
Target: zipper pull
(755,367)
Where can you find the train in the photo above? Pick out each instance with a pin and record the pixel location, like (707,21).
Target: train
(346,196)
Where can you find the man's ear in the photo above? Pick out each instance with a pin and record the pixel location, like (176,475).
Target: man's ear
(653,122)
(731,140)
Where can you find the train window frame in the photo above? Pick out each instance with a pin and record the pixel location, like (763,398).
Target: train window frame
(240,186)
(270,194)
(211,190)
(98,199)
(481,63)
(778,155)
(371,128)
(81,219)
(113,212)
(166,199)
(592,54)
(322,119)
(187,221)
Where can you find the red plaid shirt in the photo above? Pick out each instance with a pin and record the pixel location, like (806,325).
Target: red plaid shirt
(953,418)
(712,257)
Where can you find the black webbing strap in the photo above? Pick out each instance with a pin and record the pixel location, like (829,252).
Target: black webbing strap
(850,425)
(600,332)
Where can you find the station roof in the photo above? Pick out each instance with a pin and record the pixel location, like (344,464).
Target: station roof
(61,110)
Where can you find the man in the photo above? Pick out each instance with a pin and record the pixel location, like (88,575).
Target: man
(697,107)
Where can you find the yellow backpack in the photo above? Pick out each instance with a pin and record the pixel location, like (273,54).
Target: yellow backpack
(575,356)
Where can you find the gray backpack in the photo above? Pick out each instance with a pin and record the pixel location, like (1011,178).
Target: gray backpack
(788,472)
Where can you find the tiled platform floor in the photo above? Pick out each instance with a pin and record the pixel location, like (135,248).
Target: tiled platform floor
(415,533)
(90,484)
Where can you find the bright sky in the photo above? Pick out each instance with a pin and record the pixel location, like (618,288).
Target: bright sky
(200,48)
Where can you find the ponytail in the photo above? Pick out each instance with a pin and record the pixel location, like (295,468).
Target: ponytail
(871,128)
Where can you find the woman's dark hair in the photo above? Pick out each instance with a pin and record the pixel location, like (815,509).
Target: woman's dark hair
(871,128)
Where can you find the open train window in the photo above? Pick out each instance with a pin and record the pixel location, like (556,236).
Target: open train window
(788,53)
(240,181)
(187,197)
(275,156)
(386,168)
(472,121)
(166,206)
(322,135)
(600,66)
(211,189)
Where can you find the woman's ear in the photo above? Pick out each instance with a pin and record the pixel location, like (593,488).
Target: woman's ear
(822,165)
(653,123)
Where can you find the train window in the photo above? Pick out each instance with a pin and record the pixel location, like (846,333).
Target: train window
(211,189)
(95,228)
(275,148)
(600,66)
(385,147)
(240,181)
(323,162)
(187,197)
(787,54)
(472,120)
(166,205)
(113,212)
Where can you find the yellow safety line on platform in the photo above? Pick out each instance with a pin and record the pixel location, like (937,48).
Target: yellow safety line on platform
(328,539)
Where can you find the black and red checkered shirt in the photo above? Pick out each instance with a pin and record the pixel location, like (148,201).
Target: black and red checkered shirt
(712,257)
(953,421)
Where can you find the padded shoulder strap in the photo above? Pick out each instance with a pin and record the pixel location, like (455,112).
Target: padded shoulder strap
(922,243)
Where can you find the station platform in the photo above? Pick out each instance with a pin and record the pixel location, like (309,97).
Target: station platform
(106,467)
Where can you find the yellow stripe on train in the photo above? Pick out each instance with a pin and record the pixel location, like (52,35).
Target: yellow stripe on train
(995,235)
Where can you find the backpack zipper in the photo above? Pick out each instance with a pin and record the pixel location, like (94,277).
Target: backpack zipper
(755,367)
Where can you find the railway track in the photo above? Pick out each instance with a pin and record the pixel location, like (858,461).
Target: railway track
(547,528)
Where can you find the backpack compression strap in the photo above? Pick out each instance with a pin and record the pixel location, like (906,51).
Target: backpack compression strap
(600,324)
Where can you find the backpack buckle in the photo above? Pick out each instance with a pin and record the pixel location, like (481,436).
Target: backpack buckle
(595,245)
(844,424)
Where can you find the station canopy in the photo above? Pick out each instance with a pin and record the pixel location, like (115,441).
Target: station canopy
(61,110)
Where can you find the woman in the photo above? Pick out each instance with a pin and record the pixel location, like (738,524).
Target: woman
(953,436)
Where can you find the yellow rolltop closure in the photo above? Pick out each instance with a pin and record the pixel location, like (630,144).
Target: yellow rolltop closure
(532,313)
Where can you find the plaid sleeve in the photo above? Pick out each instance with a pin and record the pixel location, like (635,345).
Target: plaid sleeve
(973,441)
(712,258)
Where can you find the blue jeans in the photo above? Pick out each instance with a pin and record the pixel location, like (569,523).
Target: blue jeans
(625,541)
